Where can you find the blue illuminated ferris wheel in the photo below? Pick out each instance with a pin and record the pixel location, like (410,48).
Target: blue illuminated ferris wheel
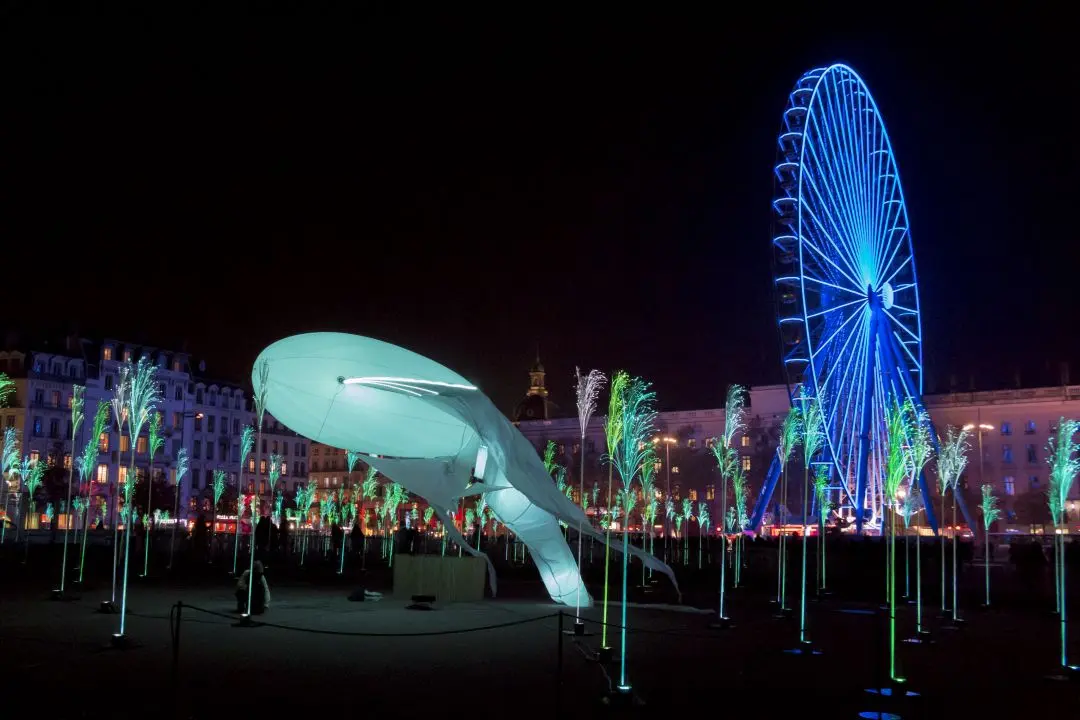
(846,291)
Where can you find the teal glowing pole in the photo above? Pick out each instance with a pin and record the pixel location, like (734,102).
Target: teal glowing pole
(813,439)
(727,459)
(344,507)
(263,371)
(587,389)
(351,459)
(612,433)
(143,397)
(80,505)
(632,450)
(120,415)
(687,513)
(32,473)
(738,489)
(219,491)
(703,527)
(77,417)
(990,512)
(1064,466)
(247,442)
(824,506)
(155,443)
(790,434)
(952,459)
(87,465)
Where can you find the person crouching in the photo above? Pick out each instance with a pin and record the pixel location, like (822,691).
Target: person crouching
(260,596)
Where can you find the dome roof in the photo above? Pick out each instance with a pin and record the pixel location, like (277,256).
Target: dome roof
(531,407)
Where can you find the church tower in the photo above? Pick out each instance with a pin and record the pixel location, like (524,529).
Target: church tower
(534,406)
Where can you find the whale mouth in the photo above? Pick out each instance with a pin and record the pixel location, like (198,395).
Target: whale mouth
(408,386)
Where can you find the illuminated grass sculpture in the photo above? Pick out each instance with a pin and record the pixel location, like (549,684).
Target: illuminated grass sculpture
(824,507)
(687,514)
(247,443)
(220,477)
(1064,461)
(154,444)
(612,435)
(638,417)
(703,528)
(7,388)
(31,472)
(812,440)
(261,386)
(87,464)
(952,459)
(990,513)
(119,404)
(649,503)
(727,459)
(920,450)
(9,464)
(142,398)
(78,415)
(183,466)
(738,489)
(305,495)
(899,419)
(587,389)
(790,436)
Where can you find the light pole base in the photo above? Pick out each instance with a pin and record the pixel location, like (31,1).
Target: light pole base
(578,629)
(622,697)
(605,655)
(108,607)
(59,595)
(245,621)
(724,623)
(1066,673)
(121,642)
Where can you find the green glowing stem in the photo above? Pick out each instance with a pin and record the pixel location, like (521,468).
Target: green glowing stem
(130,524)
(918,584)
(824,558)
(67,525)
(623,687)
(251,563)
(116,536)
(820,542)
(176,516)
(607,558)
(444,544)
(986,563)
(82,553)
(805,542)
(341,569)
(698,553)
(581,499)
(149,488)
(941,544)
(892,597)
(907,563)
(954,615)
(392,551)
(236,530)
(780,544)
(1064,651)
(723,554)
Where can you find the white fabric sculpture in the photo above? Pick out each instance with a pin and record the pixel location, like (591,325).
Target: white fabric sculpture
(430,430)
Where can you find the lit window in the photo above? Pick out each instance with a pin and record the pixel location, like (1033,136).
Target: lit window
(691,443)
(710,492)
(1006,428)
(1029,428)
(251,464)
(140,445)
(103,442)
(70,398)
(745,441)
(123,474)
(127,356)
(709,442)
(1006,453)
(1010,485)
(34,457)
(746,463)
(107,353)
(284,468)
(125,443)
(693,496)
(103,473)
(198,421)
(67,461)
(675,469)
(262,467)
(176,366)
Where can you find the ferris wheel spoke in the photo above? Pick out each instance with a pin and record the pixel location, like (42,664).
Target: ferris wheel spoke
(819,281)
(834,308)
(841,233)
(832,337)
(900,288)
(896,240)
(854,368)
(847,350)
(825,256)
(848,142)
(838,144)
(905,328)
(907,351)
(827,204)
(896,271)
(843,203)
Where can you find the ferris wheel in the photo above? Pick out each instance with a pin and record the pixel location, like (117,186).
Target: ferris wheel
(847,296)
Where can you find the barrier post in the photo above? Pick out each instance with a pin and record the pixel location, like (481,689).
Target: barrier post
(559,669)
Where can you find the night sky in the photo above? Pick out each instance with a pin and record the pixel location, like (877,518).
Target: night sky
(472,188)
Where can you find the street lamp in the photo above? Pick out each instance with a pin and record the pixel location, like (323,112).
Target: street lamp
(981,428)
(668,442)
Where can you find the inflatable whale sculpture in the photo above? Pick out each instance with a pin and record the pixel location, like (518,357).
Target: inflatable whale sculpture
(432,431)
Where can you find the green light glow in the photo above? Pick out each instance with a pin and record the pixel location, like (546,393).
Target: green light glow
(790,436)
(1064,462)
(990,512)
(9,462)
(78,401)
(727,459)
(900,423)
(812,440)
(7,388)
(951,463)
(612,434)
(142,396)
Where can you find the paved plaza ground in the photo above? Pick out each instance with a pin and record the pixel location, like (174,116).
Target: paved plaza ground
(324,653)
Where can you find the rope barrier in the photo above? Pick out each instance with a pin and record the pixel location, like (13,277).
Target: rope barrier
(316,631)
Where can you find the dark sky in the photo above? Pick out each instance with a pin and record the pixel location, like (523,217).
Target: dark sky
(469,188)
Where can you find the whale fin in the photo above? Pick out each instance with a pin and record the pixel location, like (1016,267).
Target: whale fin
(450,527)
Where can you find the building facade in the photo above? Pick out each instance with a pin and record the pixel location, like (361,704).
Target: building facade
(1011,427)
(203,416)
